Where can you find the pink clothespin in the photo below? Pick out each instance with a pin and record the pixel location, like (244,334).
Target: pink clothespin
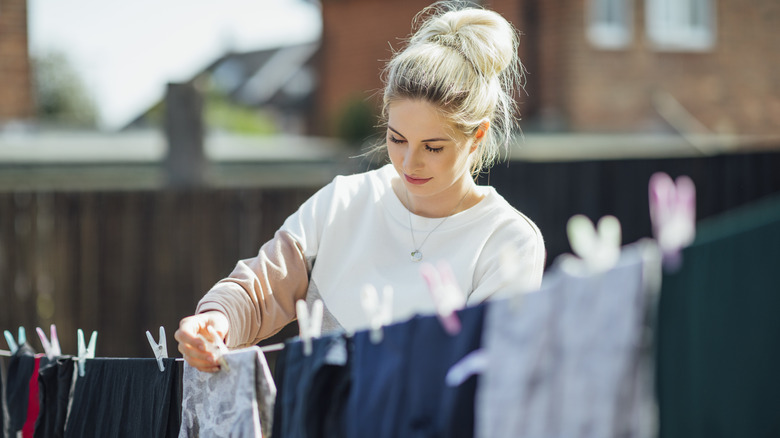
(447,296)
(52,349)
(673,215)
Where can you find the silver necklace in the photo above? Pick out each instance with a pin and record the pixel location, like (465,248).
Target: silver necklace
(417,254)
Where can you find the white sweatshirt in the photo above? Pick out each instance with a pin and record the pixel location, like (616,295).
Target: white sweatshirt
(355,231)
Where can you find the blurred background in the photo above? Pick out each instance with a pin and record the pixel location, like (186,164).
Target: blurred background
(146,146)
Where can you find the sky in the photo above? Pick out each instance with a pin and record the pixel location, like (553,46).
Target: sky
(127,51)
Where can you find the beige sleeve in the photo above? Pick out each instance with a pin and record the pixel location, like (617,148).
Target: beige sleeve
(259,296)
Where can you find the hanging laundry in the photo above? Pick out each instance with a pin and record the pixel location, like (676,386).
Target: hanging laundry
(21,393)
(3,410)
(399,386)
(312,390)
(238,402)
(55,383)
(718,330)
(126,398)
(570,359)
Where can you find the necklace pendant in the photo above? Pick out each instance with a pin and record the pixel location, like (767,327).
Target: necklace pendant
(416,255)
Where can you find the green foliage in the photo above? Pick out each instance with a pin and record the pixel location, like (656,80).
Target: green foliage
(60,94)
(224,115)
(357,121)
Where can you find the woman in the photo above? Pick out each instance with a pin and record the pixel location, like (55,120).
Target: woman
(448,110)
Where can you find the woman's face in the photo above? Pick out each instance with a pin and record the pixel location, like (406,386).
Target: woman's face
(429,154)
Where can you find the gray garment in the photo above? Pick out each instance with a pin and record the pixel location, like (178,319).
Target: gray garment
(238,402)
(571,359)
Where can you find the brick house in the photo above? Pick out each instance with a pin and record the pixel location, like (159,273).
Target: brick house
(692,66)
(16,98)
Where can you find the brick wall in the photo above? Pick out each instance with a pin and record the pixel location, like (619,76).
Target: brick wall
(356,42)
(733,88)
(16,101)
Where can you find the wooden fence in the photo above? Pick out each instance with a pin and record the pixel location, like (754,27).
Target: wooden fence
(123,262)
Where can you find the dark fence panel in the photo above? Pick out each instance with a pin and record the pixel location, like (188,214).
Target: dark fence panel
(125,262)
(129,261)
(551,192)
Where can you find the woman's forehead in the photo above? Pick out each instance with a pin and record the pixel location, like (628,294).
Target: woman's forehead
(412,117)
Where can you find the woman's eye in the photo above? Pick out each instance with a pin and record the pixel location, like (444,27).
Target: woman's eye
(395,140)
(433,149)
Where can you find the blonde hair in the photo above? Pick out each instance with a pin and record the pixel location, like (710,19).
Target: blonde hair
(464,61)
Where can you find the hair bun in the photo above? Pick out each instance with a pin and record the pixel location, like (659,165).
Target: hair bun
(483,37)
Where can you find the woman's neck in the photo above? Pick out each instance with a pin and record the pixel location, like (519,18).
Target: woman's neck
(456,198)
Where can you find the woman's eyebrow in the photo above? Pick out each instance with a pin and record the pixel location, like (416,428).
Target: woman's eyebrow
(428,140)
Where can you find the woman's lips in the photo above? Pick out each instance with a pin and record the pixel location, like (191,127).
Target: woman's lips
(418,181)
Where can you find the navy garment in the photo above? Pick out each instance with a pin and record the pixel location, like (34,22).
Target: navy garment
(398,385)
(325,408)
(126,398)
(55,383)
(17,390)
(3,411)
(304,401)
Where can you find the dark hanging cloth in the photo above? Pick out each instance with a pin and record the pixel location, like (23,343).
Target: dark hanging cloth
(126,398)
(311,390)
(398,385)
(17,390)
(3,410)
(718,330)
(55,383)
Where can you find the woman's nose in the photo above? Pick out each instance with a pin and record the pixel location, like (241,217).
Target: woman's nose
(412,158)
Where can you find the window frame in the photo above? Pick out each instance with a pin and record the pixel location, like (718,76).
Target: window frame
(670,25)
(609,24)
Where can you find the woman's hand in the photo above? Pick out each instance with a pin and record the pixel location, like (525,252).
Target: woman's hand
(193,347)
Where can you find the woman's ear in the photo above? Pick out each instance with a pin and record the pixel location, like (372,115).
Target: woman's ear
(480,134)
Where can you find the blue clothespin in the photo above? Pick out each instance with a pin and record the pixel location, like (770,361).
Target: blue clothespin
(84,351)
(161,349)
(13,345)
(52,349)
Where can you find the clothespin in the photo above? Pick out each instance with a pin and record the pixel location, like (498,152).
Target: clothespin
(598,247)
(309,323)
(218,347)
(471,364)
(13,345)
(447,296)
(673,215)
(379,313)
(161,349)
(52,349)
(85,352)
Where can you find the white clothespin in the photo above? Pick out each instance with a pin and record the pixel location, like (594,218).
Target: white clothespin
(309,323)
(673,215)
(474,363)
(598,248)
(85,352)
(52,349)
(218,347)
(379,313)
(13,345)
(447,296)
(161,349)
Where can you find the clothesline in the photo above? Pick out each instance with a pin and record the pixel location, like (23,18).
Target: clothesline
(265,349)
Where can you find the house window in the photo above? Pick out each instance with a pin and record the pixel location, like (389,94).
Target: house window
(609,23)
(680,25)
